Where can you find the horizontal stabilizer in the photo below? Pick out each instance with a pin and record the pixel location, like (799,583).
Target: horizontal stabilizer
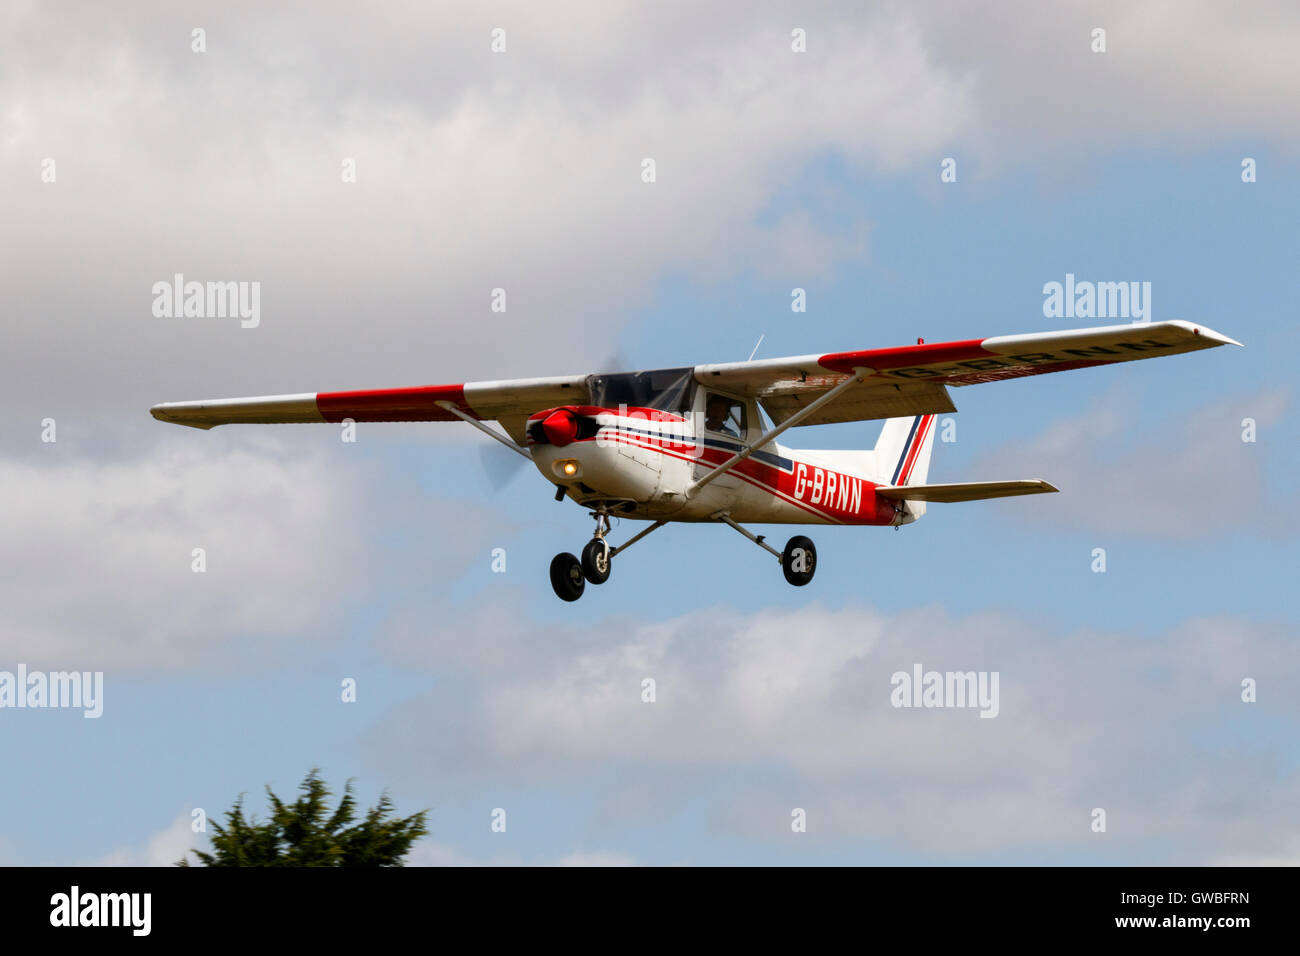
(965,491)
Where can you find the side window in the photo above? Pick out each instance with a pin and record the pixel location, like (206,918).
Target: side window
(725,415)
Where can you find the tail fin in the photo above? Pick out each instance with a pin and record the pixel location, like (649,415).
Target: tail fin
(903,455)
(903,450)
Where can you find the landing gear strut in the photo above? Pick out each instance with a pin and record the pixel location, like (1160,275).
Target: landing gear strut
(798,560)
(596,555)
(569,575)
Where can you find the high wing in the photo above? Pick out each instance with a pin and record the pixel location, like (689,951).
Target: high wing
(914,379)
(911,380)
(510,402)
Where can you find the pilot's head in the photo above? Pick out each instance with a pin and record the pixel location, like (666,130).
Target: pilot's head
(715,411)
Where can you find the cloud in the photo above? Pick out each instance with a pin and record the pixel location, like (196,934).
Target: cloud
(1282,856)
(99,555)
(163,848)
(1173,74)
(775,709)
(519,170)
(174,841)
(430,853)
(475,171)
(1189,476)
(522,171)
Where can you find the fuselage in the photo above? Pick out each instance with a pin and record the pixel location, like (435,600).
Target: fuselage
(640,462)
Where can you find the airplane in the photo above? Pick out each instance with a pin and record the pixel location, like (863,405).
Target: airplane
(688,444)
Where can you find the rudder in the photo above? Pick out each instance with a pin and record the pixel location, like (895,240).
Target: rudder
(903,454)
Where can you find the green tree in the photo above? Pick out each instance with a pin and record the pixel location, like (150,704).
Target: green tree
(304,833)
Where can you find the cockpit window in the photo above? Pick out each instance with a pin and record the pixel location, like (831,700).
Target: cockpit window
(724,414)
(665,389)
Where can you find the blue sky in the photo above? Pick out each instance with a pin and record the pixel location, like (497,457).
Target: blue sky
(479,690)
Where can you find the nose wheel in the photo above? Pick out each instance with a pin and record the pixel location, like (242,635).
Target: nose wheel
(596,559)
(597,554)
(569,575)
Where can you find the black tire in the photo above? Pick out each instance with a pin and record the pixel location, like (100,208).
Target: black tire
(566,577)
(799,560)
(595,557)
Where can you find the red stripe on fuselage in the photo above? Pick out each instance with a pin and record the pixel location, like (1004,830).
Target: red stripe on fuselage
(632,413)
(758,473)
(743,475)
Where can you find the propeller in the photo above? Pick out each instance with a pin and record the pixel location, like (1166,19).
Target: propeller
(501,466)
(614,362)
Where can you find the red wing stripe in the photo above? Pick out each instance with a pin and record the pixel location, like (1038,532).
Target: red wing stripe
(393,404)
(905,356)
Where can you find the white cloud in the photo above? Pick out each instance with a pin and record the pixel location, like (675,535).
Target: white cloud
(522,171)
(1288,855)
(430,853)
(476,171)
(596,859)
(1184,478)
(99,555)
(1174,74)
(780,709)
(518,170)
(174,841)
(163,848)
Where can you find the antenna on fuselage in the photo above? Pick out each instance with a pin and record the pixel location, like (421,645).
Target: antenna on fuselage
(756,345)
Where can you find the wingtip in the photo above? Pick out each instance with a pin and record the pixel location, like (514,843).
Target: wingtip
(1206,332)
(1217,336)
(163,413)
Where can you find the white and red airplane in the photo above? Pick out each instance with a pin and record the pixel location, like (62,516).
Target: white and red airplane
(688,444)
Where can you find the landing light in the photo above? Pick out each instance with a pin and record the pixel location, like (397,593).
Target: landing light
(567,468)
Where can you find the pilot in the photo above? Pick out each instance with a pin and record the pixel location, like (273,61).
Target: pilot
(715,415)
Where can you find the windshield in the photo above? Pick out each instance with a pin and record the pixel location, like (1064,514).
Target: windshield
(665,389)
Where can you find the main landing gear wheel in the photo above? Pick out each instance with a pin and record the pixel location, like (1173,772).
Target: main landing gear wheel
(566,577)
(596,561)
(799,560)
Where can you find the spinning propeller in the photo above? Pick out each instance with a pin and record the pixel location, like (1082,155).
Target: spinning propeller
(500,468)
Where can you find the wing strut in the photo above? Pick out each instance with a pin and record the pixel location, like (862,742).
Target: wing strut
(859,375)
(451,407)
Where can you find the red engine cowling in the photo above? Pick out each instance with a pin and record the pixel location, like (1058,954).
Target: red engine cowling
(561,427)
